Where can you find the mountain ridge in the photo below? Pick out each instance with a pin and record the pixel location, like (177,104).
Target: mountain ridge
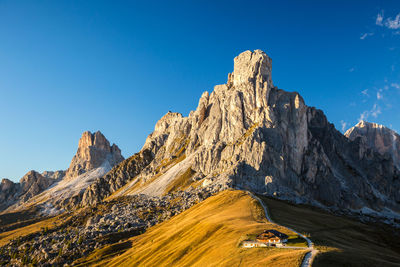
(94,158)
(248,133)
(30,185)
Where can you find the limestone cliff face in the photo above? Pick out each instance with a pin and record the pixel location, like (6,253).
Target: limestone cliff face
(93,151)
(116,178)
(247,133)
(30,185)
(54,175)
(9,192)
(54,191)
(378,138)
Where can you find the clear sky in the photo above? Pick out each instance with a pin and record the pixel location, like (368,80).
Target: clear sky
(118,66)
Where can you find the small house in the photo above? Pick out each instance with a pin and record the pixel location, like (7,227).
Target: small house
(271,237)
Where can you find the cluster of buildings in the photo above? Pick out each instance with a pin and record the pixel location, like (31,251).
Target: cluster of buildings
(268,238)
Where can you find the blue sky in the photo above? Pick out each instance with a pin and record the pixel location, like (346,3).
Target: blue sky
(118,66)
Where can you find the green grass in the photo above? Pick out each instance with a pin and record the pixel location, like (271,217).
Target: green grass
(251,236)
(296,241)
(341,241)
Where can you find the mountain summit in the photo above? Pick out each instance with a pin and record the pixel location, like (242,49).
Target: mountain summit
(249,134)
(93,150)
(54,191)
(377,137)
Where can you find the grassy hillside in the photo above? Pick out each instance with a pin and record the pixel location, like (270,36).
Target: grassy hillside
(208,234)
(50,223)
(342,241)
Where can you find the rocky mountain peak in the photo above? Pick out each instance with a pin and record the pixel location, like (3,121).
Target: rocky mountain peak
(378,138)
(6,184)
(8,191)
(250,67)
(93,151)
(96,139)
(368,125)
(30,176)
(249,134)
(61,189)
(32,184)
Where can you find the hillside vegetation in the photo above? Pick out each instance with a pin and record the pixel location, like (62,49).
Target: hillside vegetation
(208,234)
(341,241)
(19,232)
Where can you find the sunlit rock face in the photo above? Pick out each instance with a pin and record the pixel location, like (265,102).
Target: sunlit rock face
(54,191)
(377,137)
(93,150)
(247,133)
(9,191)
(30,185)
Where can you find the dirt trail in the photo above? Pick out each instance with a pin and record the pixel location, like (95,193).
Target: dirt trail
(309,257)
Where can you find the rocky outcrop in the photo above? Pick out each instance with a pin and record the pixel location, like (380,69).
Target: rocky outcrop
(55,191)
(92,228)
(94,158)
(116,178)
(248,133)
(32,184)
(9,192)
(93,150)
(57,175)
(378,138)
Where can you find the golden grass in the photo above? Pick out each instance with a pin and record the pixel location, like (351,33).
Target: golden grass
(105,254)
(208,234)
(342,241)
(51,223)
(17,219)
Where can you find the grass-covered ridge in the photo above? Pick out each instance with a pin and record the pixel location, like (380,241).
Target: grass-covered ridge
(41,226)
(208,234)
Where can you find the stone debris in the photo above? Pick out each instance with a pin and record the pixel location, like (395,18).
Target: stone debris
(95,227)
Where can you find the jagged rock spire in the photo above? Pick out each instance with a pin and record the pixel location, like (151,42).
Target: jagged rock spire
(93,150)
(251,67)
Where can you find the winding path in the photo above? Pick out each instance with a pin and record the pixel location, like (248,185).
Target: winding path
(309,257)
